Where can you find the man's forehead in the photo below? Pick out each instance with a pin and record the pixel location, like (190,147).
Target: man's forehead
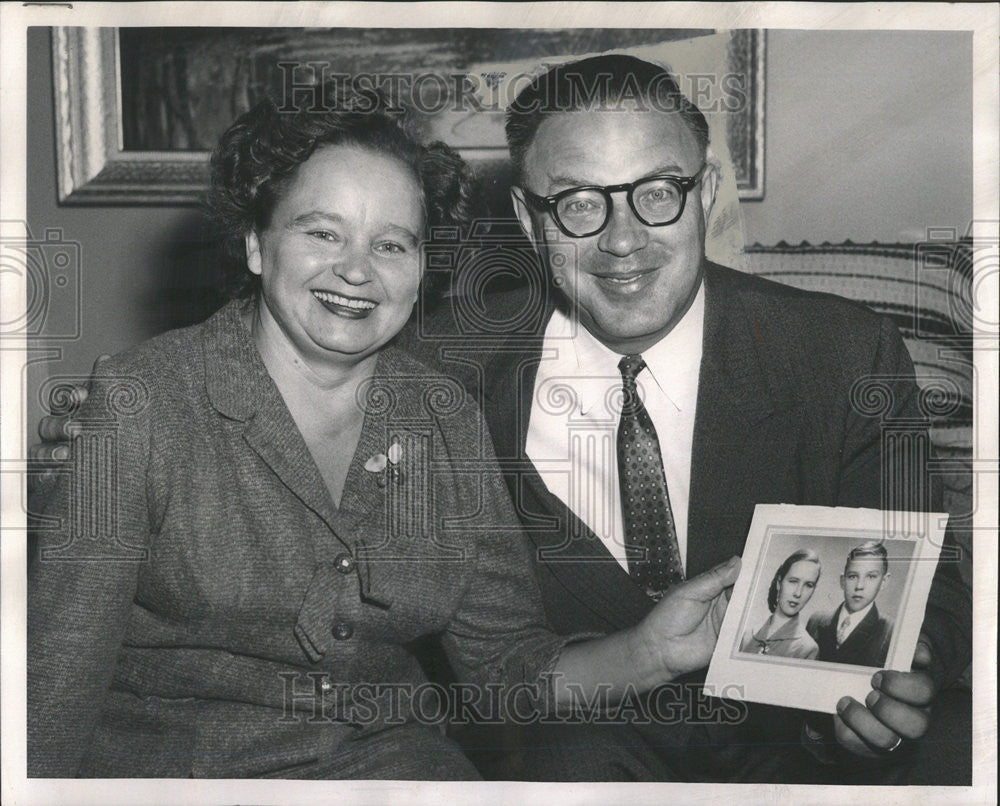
(610,146)
(864,564)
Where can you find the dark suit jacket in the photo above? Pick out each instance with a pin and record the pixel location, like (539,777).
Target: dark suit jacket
(780,418)
(201,572)
(867,645)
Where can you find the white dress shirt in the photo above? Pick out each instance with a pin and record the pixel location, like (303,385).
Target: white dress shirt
(573,426)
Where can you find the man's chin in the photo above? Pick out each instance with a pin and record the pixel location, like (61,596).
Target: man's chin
(628,341)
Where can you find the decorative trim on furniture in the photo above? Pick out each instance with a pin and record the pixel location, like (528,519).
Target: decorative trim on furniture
(925,288)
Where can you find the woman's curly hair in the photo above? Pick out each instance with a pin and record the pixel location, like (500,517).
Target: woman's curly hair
(260,153)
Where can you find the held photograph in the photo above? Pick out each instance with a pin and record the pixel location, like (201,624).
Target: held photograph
(478,401)
(826,597)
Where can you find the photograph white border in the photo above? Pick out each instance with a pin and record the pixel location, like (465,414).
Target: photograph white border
(813,685)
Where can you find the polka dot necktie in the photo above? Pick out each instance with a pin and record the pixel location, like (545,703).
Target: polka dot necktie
(649,524)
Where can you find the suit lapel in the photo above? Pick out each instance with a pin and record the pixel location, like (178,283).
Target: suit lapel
(862,634)
(395,513)
(565,547)
(828,636)
(240,388)
(275,438)
(740,427)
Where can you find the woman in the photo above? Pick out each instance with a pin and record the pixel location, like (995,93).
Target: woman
(290,503)
(791,589)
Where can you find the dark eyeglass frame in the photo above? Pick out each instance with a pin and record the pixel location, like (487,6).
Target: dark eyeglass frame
(548,203)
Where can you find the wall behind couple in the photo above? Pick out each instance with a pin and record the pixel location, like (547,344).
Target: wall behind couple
(868,138)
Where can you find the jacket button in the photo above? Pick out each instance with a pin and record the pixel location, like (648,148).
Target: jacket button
(343,631)
(344,563)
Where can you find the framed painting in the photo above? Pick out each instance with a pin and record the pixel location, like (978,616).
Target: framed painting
(138,110)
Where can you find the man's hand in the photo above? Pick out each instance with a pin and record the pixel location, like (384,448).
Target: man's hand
(896,709)
(682,630)
(677,637)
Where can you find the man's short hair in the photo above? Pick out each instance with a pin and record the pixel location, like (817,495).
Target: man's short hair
(600,82)
(873,549)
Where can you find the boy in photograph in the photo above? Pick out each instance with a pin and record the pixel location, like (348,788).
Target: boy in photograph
(856,632)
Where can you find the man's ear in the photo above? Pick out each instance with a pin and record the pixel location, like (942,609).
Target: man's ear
(523,215)
(709,186)
(254,262)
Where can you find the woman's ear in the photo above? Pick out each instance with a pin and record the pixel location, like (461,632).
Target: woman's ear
(254,261)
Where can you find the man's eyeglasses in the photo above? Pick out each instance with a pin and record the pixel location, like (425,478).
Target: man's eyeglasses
(656,201)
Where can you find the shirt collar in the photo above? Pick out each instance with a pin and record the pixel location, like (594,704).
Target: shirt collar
(672,363)
(786,631)
(856,617)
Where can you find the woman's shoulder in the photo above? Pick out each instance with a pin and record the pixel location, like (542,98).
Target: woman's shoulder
(177,347)
(806,643)
(748,639)
(413,389)
(159,369)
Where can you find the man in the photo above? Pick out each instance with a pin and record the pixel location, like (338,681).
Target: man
(658,400)
(856,632)
(746,390)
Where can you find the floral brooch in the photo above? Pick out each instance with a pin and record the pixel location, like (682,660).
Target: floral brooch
(386,465)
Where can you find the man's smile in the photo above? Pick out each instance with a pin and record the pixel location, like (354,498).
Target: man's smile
(627,282)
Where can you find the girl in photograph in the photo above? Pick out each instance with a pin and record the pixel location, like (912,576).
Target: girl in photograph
(782,634)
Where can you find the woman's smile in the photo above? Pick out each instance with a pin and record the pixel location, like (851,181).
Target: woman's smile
(342,305)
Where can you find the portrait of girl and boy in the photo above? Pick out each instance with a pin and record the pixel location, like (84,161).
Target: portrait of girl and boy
(827,599)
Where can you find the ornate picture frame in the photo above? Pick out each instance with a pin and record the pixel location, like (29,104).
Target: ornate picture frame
(96,167)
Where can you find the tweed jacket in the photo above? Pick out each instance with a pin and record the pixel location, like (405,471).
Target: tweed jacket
(867,645)
(202,609)
(790,640)
(795,392)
